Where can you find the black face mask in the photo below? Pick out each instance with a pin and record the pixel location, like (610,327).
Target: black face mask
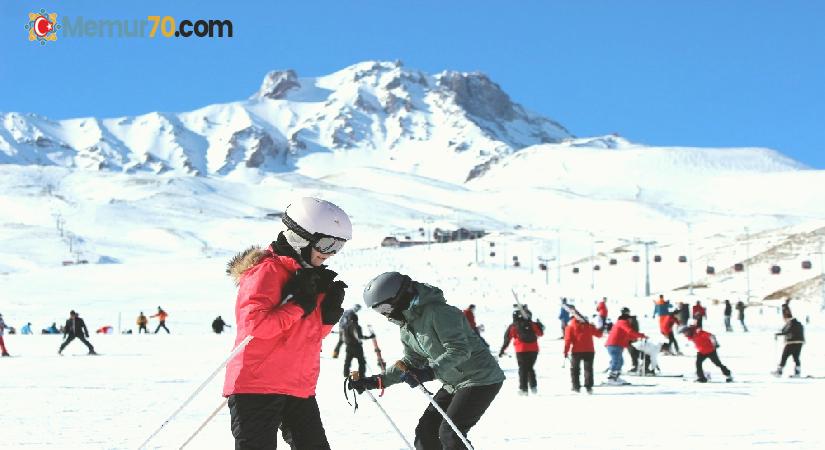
(394,309)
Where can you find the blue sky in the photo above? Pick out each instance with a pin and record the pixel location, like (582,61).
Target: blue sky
(698,73)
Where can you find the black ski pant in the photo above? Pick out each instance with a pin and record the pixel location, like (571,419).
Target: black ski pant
(162,324)
(791,350)
(255,419)
(464,407)
(70,338)
(355,351)
(671,342)
(575,363)
(526,373)
(143,328)
(714,358)
(634,357)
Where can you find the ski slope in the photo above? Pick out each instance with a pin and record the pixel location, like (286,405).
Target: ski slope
(114,401)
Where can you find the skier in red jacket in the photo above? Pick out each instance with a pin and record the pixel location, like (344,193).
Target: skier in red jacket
(619,339)
(666,327)
(705,349)
(288,301)
(578,337)
(524,333)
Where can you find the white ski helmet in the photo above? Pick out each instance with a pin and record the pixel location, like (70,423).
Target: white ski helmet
(318,222)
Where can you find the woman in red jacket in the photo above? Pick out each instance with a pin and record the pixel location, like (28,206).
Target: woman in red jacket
(524,333)
(288,301)
(619,339)
(705,349)
(578,336)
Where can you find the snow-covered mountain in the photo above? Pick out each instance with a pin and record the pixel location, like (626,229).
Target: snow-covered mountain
(450,126)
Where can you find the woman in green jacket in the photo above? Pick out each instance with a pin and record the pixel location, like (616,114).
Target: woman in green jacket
(438,344)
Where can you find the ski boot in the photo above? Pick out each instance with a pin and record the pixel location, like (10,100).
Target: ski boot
(575,389)
(522,392)
(589,390)
(778,372)
(92,352)
(701,380)
(534,390)
(6,354)
(797,372)
(729,378)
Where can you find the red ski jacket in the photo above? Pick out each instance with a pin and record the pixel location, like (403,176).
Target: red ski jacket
(284,355)
(518,344)
(699,311)
(601,309)
(621,334)
(579,336)
(703,342)
(666,324)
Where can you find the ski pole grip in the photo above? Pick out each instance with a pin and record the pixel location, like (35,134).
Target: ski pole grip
(354,375)
(401,366)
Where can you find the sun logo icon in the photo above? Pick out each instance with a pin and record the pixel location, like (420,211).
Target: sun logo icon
(42,27)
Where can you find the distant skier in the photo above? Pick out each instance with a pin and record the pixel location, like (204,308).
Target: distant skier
(141,322)
(3,327)
(564,316)
(684,313)
(578,338)
(601,312)
(470,314)
(661,307)
(26,329)
(342,325)
(699,313)
(740,313)
(218,325)
(619,339)
(524,333)
(75,328)
(52,329)
(705,344)
(106,329)
(794,333)
(666,327)
(161,315)
(728,312)
(355,350)
(438,344)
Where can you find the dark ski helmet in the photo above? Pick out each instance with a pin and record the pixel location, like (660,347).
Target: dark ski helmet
(388,293)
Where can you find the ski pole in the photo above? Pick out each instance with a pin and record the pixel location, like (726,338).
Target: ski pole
(200,388)
(355,376)
(211,416)
(401,366)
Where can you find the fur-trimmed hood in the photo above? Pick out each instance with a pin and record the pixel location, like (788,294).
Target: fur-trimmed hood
(244,261)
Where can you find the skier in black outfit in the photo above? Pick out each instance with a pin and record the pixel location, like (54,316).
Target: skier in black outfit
(740,313)
(794,334)
(728,312)
(352,338)
(342,325)
(218,324)
(684,313)
(75,328)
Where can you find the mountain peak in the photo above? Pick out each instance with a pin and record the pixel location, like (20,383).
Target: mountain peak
(277,83)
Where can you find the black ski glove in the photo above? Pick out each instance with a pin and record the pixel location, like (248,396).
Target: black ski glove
(304,289)
(331,310)
(415,376)
(362,384)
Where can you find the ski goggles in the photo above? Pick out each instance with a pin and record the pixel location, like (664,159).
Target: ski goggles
(328,245)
